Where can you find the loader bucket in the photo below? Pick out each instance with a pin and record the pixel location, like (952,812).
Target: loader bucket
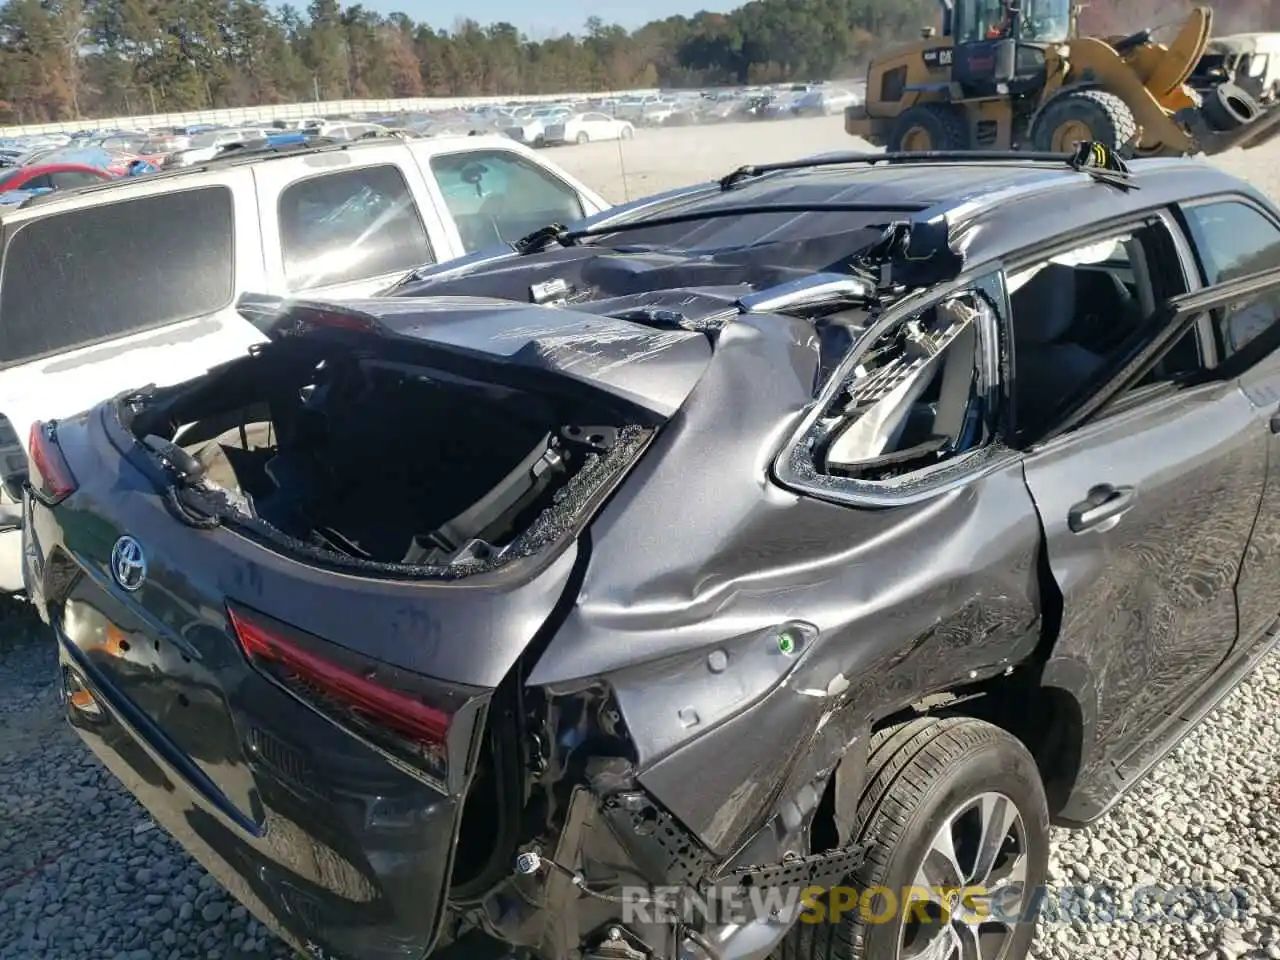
(1263,129)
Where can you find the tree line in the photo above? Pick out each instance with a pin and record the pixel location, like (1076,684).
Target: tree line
(72,59)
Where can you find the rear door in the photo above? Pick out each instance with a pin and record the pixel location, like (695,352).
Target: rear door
(1236,239)
(347,223)
(1146,505)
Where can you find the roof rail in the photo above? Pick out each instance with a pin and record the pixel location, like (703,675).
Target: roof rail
(1091,157)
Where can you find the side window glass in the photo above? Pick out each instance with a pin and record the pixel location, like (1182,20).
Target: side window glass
(42,182)
(983,20)
(70,179)
(1235,240)
(498,196)
(105,271)
(916,400)
(1080,316)
(348,226)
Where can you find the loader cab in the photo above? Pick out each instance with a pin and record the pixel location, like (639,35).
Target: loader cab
(999,46)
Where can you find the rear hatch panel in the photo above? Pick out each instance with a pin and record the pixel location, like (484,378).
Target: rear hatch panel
(319,830)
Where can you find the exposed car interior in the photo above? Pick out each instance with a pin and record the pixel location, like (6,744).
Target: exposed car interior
(1081,315)
(914,401)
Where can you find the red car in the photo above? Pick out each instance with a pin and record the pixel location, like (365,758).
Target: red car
(51,176)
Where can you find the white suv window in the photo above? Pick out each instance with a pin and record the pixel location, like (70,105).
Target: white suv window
(75,278)
(499,196)
(350,225)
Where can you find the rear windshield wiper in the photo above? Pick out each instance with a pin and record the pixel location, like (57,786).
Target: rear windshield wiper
(555,233)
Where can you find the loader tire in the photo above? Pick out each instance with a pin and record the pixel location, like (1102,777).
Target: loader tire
(1228,107)
(1079,115)
(929,127)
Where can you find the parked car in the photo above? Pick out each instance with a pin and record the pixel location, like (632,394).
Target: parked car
(51,176)
(13,198)
(108,283)
(531,129)
(346,130)
(585,127)
(633,108)
(823,102)
(785,540)
(206,146)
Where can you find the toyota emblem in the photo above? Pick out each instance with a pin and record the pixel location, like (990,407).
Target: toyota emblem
(128,563)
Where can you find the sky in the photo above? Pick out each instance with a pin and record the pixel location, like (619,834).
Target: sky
(543,18)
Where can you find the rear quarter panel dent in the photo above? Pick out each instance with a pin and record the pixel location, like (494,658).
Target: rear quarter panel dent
(699,548)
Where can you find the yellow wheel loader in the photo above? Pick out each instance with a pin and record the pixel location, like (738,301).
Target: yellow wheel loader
(1015,74)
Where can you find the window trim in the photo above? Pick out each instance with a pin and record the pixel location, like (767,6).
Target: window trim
(909,489)
(9,235)
(432,258)
(519,158)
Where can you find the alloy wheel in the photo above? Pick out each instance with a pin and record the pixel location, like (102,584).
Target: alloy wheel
(970,888)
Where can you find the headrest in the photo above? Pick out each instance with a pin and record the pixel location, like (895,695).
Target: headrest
(1045,306)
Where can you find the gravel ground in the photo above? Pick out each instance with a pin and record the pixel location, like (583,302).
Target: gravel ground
(85,874)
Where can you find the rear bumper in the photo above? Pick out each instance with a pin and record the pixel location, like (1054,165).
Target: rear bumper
(347,861)
(330,844)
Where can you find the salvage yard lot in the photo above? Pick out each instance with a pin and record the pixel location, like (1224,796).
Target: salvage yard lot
(83,873)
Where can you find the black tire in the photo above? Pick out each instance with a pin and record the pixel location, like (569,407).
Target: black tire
(583,138)
(919,775)
(627,133)
(1228,107)
(944,125)
(1107,118)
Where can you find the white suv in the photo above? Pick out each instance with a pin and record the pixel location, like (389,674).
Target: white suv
(135,281)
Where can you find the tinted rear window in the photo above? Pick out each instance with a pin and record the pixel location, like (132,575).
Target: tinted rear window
(75,278)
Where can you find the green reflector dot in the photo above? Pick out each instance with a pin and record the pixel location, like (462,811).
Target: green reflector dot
(786,642)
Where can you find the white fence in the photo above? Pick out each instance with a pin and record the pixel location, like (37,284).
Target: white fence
(293,111)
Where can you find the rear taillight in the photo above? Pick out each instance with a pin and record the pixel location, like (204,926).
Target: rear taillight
(49,476)
(368,699)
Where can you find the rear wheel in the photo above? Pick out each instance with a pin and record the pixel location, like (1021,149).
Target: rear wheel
(933,126)
(955,815)
(1080,115)
(627,133)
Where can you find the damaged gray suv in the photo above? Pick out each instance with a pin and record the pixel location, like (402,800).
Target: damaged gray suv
(758,569)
